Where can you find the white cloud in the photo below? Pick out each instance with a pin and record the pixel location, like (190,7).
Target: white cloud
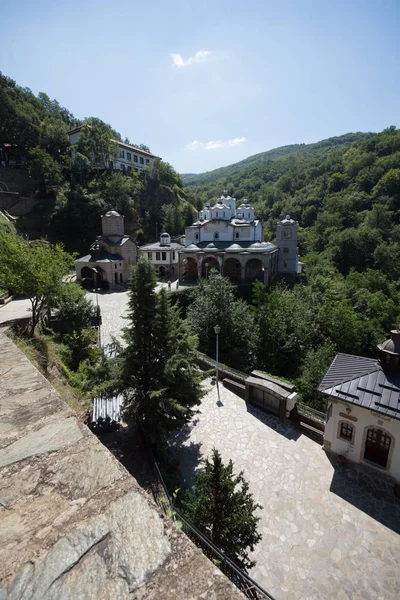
(196,145)
(200,57)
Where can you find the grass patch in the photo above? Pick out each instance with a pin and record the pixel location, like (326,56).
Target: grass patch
(43,353)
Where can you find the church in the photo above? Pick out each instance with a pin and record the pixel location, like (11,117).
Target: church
(230,239)
(111,256)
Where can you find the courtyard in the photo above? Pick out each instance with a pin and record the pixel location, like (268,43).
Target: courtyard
(324,535)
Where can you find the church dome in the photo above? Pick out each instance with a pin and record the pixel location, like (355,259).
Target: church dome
(192,247)
(112,213)
(234,248)
(256,246)
(211,246)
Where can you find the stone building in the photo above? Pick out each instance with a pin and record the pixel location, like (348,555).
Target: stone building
(163,255)
(111,256)
(363,417)
(230,239)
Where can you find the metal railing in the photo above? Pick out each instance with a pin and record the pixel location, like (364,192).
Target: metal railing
(307,411)
(237,576)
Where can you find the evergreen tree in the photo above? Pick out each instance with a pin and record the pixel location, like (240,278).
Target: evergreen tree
(160,371)
(222,507)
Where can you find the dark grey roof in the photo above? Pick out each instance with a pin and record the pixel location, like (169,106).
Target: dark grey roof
(264,247)
(363,382)
(103,257)
(163,248)
(119,242)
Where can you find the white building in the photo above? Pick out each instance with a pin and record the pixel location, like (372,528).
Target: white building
(363,418)
(163,255)
(230,239)
(111,256)
(128,157)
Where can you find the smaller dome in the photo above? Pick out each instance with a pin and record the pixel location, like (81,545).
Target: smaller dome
(256,245)
(234,247)
(211,246)
(192,247)
(112,213)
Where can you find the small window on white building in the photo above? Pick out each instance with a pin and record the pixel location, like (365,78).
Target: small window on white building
(147,161)
(134,158)
(141,160)
(163,256)
(157,256)
(237,234)
(110,165)
(197,236)
(149,255)
(346,431)
(122,154)
(173,256)
(122,167)
(129,156)
(116,266)
(129,168)
(216,214)
(216,235)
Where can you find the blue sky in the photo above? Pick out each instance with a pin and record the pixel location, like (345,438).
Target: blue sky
(208,83)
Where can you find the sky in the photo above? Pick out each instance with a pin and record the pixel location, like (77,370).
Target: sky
(208,83)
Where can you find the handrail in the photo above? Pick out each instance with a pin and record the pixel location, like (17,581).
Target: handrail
(239,578)
(307,410)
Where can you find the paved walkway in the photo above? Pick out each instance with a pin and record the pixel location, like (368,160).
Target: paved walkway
(319,541)
(114,305)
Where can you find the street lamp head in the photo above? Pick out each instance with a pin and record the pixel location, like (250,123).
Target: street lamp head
(217,329)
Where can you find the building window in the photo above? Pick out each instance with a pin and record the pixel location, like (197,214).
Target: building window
(134,158)
(149,255)
(346,431)
(173,256)
(237,235)
(129,168)
(110,165)
(116,266)
(129,156)
(141,160)
(197,236)
(163,256)
(287,233)
(122,154)
(157,256)
(216,235)
(285,263)
(286,250)
(122,167)
(216,214)
(147,161)
(223,214)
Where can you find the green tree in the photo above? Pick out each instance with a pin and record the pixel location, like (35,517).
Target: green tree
(45,169)
(74,310)
(315,365)
(160,373)
(222,507)
(214,303)
(35,270)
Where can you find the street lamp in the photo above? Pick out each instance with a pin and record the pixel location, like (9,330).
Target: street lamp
(217,330)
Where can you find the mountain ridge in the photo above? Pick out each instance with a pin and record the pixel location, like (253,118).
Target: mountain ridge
(194,179)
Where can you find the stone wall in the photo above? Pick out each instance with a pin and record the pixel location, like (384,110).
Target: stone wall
(73,522)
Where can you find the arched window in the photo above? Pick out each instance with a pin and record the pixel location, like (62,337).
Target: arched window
(237,235)
(197,236)
(216,235)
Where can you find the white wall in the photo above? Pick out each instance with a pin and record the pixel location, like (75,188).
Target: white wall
(365,419)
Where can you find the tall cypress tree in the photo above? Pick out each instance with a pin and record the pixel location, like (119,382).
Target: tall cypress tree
(223,508)
(162,380)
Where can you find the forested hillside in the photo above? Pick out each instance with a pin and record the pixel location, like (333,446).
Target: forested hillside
(192,179)
(347,202)
(73,193)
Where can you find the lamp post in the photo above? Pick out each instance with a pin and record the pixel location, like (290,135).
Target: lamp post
(217,330)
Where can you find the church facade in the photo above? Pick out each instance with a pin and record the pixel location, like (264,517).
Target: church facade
(111,256)
(230,239)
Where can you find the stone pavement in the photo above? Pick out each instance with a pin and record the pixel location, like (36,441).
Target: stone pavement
(319,540)
(114,305)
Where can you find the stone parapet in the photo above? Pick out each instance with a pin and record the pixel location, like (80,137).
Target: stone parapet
(73,522)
